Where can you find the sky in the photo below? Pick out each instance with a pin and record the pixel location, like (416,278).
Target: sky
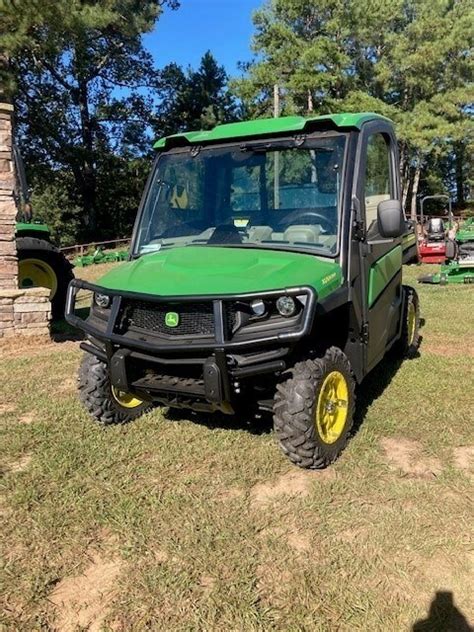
(222,26)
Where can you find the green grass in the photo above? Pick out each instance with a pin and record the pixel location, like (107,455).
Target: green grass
(209,526)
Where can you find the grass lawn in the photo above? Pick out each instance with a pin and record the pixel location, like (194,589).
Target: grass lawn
(175,523)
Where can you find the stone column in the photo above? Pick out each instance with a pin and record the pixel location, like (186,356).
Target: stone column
(8,258)
(22,312)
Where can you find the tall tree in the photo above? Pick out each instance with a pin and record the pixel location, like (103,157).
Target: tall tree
(193,99)
(407,59)
(76,71)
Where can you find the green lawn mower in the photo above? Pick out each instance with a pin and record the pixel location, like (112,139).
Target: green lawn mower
(459,268)
(40,263)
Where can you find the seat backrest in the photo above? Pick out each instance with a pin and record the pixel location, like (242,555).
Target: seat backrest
(303,234)
(435,226)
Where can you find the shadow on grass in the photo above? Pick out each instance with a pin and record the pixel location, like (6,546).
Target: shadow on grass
(254,422)
(373,386)
(61,331)
(443,616)
(261,422)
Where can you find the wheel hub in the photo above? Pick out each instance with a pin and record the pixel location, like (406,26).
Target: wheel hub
(332,407)
(36,273)
(127,400)
(411,323)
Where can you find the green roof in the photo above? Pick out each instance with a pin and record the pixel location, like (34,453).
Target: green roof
(269,127)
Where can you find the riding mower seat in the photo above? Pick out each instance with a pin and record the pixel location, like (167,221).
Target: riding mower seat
(435,230)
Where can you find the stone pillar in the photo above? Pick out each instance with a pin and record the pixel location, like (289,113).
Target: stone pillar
(8,258)
(22,312)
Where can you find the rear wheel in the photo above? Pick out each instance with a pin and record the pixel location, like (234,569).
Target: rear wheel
(107,404)
(410,336)
(40,264)
(314,409)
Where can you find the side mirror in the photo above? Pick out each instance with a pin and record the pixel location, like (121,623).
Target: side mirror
(390,219)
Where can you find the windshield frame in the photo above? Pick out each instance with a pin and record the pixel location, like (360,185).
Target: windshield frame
(248,143)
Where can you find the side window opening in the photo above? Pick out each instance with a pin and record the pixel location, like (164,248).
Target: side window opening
(377,178)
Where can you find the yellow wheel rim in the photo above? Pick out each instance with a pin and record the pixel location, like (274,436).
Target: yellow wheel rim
(37,273)
(127,400)
(332,407)
(411,323)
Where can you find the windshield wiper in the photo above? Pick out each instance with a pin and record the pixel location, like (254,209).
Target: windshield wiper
(276,145)
(269,146)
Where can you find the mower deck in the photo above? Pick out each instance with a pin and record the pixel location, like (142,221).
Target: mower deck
(453,272)
(434,252)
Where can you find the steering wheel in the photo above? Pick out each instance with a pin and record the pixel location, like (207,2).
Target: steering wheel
(298,216)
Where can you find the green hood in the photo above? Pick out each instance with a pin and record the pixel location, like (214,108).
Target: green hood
(200,270)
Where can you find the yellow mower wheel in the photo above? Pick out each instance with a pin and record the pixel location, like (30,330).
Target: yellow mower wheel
(37,273)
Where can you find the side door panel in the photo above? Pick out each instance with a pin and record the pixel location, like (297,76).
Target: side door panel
(381,260)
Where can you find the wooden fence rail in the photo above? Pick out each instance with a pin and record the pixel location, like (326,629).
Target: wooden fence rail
(81,249)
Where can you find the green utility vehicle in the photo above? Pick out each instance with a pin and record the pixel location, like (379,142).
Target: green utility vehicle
(40,263)
(266,267)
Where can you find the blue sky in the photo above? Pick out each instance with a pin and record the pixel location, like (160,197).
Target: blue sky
(222,26)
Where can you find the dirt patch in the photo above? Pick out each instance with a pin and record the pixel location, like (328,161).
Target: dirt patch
(207,583)
(231,493)
(299,541)
(448,350)
(68,385)
(464,459)
(453,348)
(84,601)
(407,455)
(296,482)
(20,465)
(7,408)
(27,418)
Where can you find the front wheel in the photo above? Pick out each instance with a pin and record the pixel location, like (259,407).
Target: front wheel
(314,410)
(105,403)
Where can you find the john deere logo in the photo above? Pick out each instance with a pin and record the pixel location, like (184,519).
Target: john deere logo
(172,319)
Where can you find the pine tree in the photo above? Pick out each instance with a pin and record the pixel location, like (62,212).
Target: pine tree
(193,99)
(407,59)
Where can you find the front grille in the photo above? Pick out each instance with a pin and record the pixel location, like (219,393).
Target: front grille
(195,319)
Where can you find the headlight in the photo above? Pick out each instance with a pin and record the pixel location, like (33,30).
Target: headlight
(286,306)
(258,307)
(102,300)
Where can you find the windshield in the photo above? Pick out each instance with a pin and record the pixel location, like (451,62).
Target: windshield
(278,194)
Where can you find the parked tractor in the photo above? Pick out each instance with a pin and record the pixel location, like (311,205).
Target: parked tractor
(40,263)
(265,267)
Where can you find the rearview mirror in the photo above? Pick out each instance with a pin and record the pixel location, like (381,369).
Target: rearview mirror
(390,218)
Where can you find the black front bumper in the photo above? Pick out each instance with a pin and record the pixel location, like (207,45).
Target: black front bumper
(217,363)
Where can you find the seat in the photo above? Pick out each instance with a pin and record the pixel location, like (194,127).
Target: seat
(302,234)
(435,230)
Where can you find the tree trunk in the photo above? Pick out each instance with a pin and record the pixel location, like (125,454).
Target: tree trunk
(414,192)
(89,172)
(404,174)
(460,155)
